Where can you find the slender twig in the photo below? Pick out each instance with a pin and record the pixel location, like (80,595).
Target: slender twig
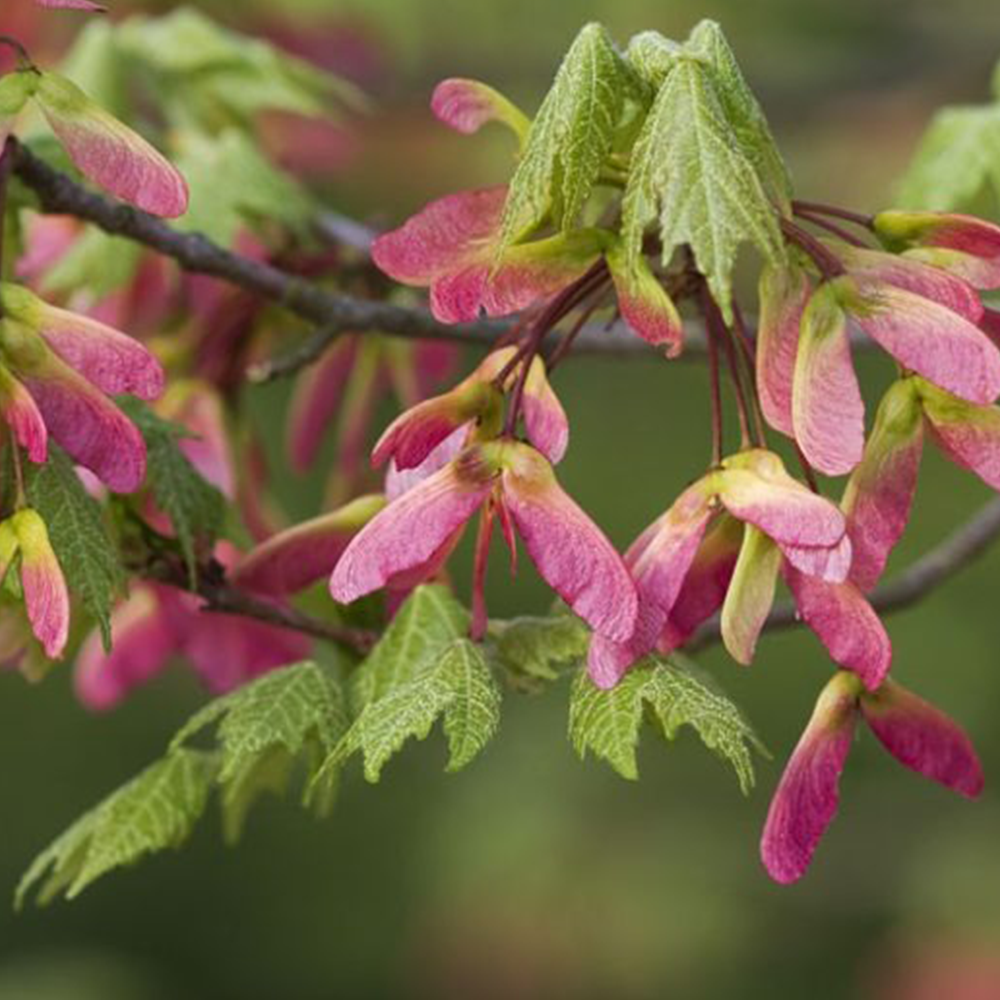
(912,585)
(333,313)
(828,263)
(221,597)
(962,547)
(831,227)
(818,208)
(716,397)
(749,356)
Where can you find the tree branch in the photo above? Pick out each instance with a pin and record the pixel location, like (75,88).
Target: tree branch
(962,547)
(336,313)
(221,597)
(333,312)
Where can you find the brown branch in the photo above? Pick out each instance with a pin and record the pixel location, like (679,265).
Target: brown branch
(221,597)
(333,313)
(962,547)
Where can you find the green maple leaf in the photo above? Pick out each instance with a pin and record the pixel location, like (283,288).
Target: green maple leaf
(958,156)
(457,685)
(691,172)
(608,723)
(540,648)
(195,507)
(742,109)
(571,137)
(79,535)
(424,626)
(155,810)
(264,728)
(233,186)
(222,74)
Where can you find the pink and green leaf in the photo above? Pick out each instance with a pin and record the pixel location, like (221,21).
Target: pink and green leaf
(111,360)
(571,553)
(296,558)
(660,558)
(545,419)
(915,276)
(845,623)
(20,413)
(754,487)
(46,598)
(828,413)
(968,435)
(643,301)
(413,528)
(144,641)
(922,738)
(880,492)
(927,338)
(808,794)
(467,105)
(93,431)
(784,294)
(965,245)
(750,595)
(110,153)
(316,399)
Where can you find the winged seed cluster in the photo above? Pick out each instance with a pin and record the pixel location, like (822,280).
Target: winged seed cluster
(641,179)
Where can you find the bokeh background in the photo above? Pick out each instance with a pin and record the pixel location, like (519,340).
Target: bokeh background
(531,874)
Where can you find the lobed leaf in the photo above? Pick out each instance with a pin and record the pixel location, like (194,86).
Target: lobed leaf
(571,136)
(472,716)
(541,648)
(427,623)
(217,69)
(957,157)
(653,56)
(79,535)
(233,186)
(691,172)
(155,810)
(264,727)
(457,685)
(108,151)
(742,110)
(607,723)
(196,508)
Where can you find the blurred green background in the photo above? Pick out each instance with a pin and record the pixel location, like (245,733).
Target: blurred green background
(530,874)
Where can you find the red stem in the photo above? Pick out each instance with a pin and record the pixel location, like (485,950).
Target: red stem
(480,616)
(831,227)
(714,386)
(567,300)
(830,267)
(818,208)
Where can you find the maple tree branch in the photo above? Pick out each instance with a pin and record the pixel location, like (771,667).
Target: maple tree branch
(962,547)
(221,597)
(332,312)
